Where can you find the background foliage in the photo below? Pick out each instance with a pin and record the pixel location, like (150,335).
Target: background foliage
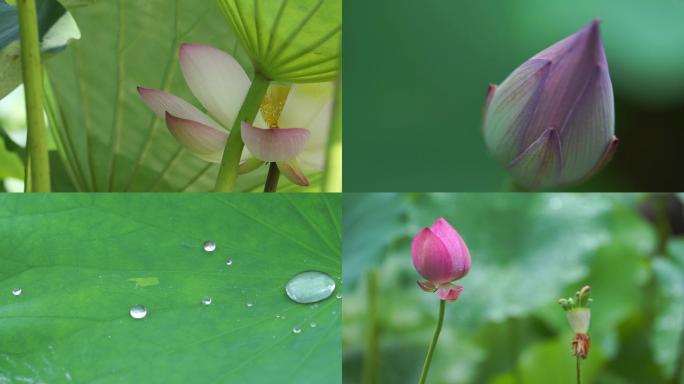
(417,76)
(83,260)
(528,250)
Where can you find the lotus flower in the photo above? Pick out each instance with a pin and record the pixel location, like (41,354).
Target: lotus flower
(441,256)
(220,84)
(551,122)
(579,315)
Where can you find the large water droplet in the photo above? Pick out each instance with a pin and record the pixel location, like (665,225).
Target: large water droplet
(310,287)
(206,300)
(138,311)
(209,246)
(296,330)
(16,291)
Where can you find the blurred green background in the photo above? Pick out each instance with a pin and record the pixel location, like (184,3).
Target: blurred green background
(528,250)
(416,73)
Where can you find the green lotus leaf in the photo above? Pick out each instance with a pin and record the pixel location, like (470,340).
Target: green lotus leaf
(289,41)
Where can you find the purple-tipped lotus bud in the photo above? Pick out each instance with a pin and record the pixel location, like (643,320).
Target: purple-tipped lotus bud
(551,122)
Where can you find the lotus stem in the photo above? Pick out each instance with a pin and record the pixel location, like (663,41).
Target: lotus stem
(272,178)
(332,174)
(579,373)
(225,182)
(37,178)
(433,344)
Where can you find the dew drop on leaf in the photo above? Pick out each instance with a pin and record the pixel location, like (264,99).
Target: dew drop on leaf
(313,325)
(250,305)
(229,262)
(16,291)
(138,311)
(206,300)
(296,330)
(310,287)
(339,295)
(209,246)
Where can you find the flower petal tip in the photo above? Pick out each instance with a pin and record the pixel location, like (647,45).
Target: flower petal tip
(293,172)
(426,286)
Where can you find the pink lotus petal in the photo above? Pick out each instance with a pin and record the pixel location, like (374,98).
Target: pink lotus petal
(274,144)
(431,257)
(426,286)
(161,102)
(450,294)
(249,165)
(293,172)
(456,246)
(202,140)
(216,79)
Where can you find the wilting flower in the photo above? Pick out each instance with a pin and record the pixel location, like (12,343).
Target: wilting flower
(220,83)
(551,122)
(579,315)
(441,256)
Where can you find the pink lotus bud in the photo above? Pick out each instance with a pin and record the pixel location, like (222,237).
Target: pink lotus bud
(551,122)
(441,256)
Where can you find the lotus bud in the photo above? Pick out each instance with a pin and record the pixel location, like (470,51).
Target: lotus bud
(578,314)
(551,122)
(441,256)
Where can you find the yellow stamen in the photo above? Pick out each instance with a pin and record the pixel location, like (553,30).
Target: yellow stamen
(273,104)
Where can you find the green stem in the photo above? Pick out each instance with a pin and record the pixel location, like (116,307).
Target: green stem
(225,182)
(332,174)
(37,165)
(579,375)
(371,356)
(433,344)
(272,178)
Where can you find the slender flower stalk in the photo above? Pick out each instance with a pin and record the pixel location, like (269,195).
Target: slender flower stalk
(332,176)
(38,165)
(230,163)
(433,343)
(441,256)
(579,315)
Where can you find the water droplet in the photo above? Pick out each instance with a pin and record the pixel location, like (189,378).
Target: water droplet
(229,262)
(138,311)
(209,246)
(310,287)
(250,305)
(296,330)
(313,325)
(16,291)
(206,300)
(339,295)
(277,316)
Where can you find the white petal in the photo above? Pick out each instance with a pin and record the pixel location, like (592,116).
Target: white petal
(216,79)
(304,104)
